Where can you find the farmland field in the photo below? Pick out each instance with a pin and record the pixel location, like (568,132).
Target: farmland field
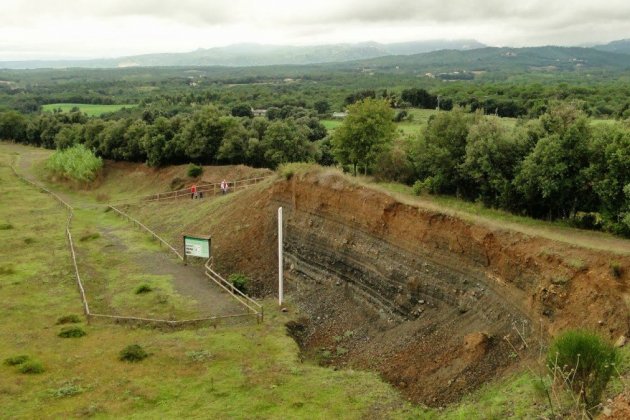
(92,110)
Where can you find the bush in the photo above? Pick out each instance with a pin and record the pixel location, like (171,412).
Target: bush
(67,390)
(16,360)
(239,281)
(133,353)
(77,163)
(143,288)
(68,319)
(586,360)
(31,367)
(71,332)
(194,170)
(418,187)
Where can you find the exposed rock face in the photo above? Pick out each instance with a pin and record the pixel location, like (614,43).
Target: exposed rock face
(407,291)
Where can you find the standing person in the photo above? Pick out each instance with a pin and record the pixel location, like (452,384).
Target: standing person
(193,191)
(224,186)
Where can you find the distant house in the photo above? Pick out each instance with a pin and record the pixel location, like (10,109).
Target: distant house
(259,112)
(339,115)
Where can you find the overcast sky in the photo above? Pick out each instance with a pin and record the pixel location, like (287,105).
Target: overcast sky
(109,28)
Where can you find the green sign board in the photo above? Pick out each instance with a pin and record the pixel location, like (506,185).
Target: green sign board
(196,247)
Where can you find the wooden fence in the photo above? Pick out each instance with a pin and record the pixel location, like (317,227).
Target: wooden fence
(131,319)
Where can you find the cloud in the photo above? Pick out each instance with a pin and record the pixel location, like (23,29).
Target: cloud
(134,26)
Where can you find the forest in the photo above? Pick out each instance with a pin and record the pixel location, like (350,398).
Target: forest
(557,158)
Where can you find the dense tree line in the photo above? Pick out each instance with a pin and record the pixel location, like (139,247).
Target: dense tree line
(556,166)
(205,135)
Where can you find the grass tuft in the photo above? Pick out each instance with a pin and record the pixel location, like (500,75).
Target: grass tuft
(616,269)
(71,332)
(6,226)
(133,353)
(143,288)
(31,367)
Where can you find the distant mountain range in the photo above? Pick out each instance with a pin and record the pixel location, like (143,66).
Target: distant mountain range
(246,55)
(449,59)
(622,46)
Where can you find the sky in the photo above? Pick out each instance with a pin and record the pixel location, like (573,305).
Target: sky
(44,29)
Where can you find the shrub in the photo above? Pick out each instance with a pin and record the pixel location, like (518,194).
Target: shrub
(194,170)
(71,332)
(133,353)
(586,361)
(6,226)
(68,319)
(77,163)
(239,281)
(418,187)
(143,288)
(16,360)
(31,367)
(616,269)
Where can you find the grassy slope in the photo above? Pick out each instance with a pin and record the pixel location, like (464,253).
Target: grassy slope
(253,370)
(250,371)
(92,110)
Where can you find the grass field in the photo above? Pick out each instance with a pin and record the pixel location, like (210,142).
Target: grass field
(92,110)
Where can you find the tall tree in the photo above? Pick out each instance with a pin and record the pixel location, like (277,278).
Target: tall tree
(365,132)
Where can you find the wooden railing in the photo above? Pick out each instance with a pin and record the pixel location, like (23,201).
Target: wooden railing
(86,309)
(207,189)
(254,307)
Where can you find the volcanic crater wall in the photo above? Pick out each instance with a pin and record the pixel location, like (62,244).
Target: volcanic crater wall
(436,304)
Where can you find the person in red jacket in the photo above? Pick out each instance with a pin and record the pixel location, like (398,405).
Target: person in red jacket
(193,191)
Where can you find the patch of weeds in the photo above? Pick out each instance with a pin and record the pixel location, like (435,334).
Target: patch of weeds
(31,367)
(161,298)
(348,334)
(6,226)
(67,390)
(337,338)
(239,281)
(16,360)
(143,288)
(616,269)
(71,332)
(68,319)
(341,351)
(133,353)
(326,354)
(7,269)
(199,355)
(577,264)
(89,236)
(29,241)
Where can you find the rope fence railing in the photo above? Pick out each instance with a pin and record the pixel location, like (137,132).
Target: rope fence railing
(256,308)
(122,318)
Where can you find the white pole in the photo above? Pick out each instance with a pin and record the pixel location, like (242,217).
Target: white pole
(280,266)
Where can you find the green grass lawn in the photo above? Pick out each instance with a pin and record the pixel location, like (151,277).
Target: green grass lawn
(92,110)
